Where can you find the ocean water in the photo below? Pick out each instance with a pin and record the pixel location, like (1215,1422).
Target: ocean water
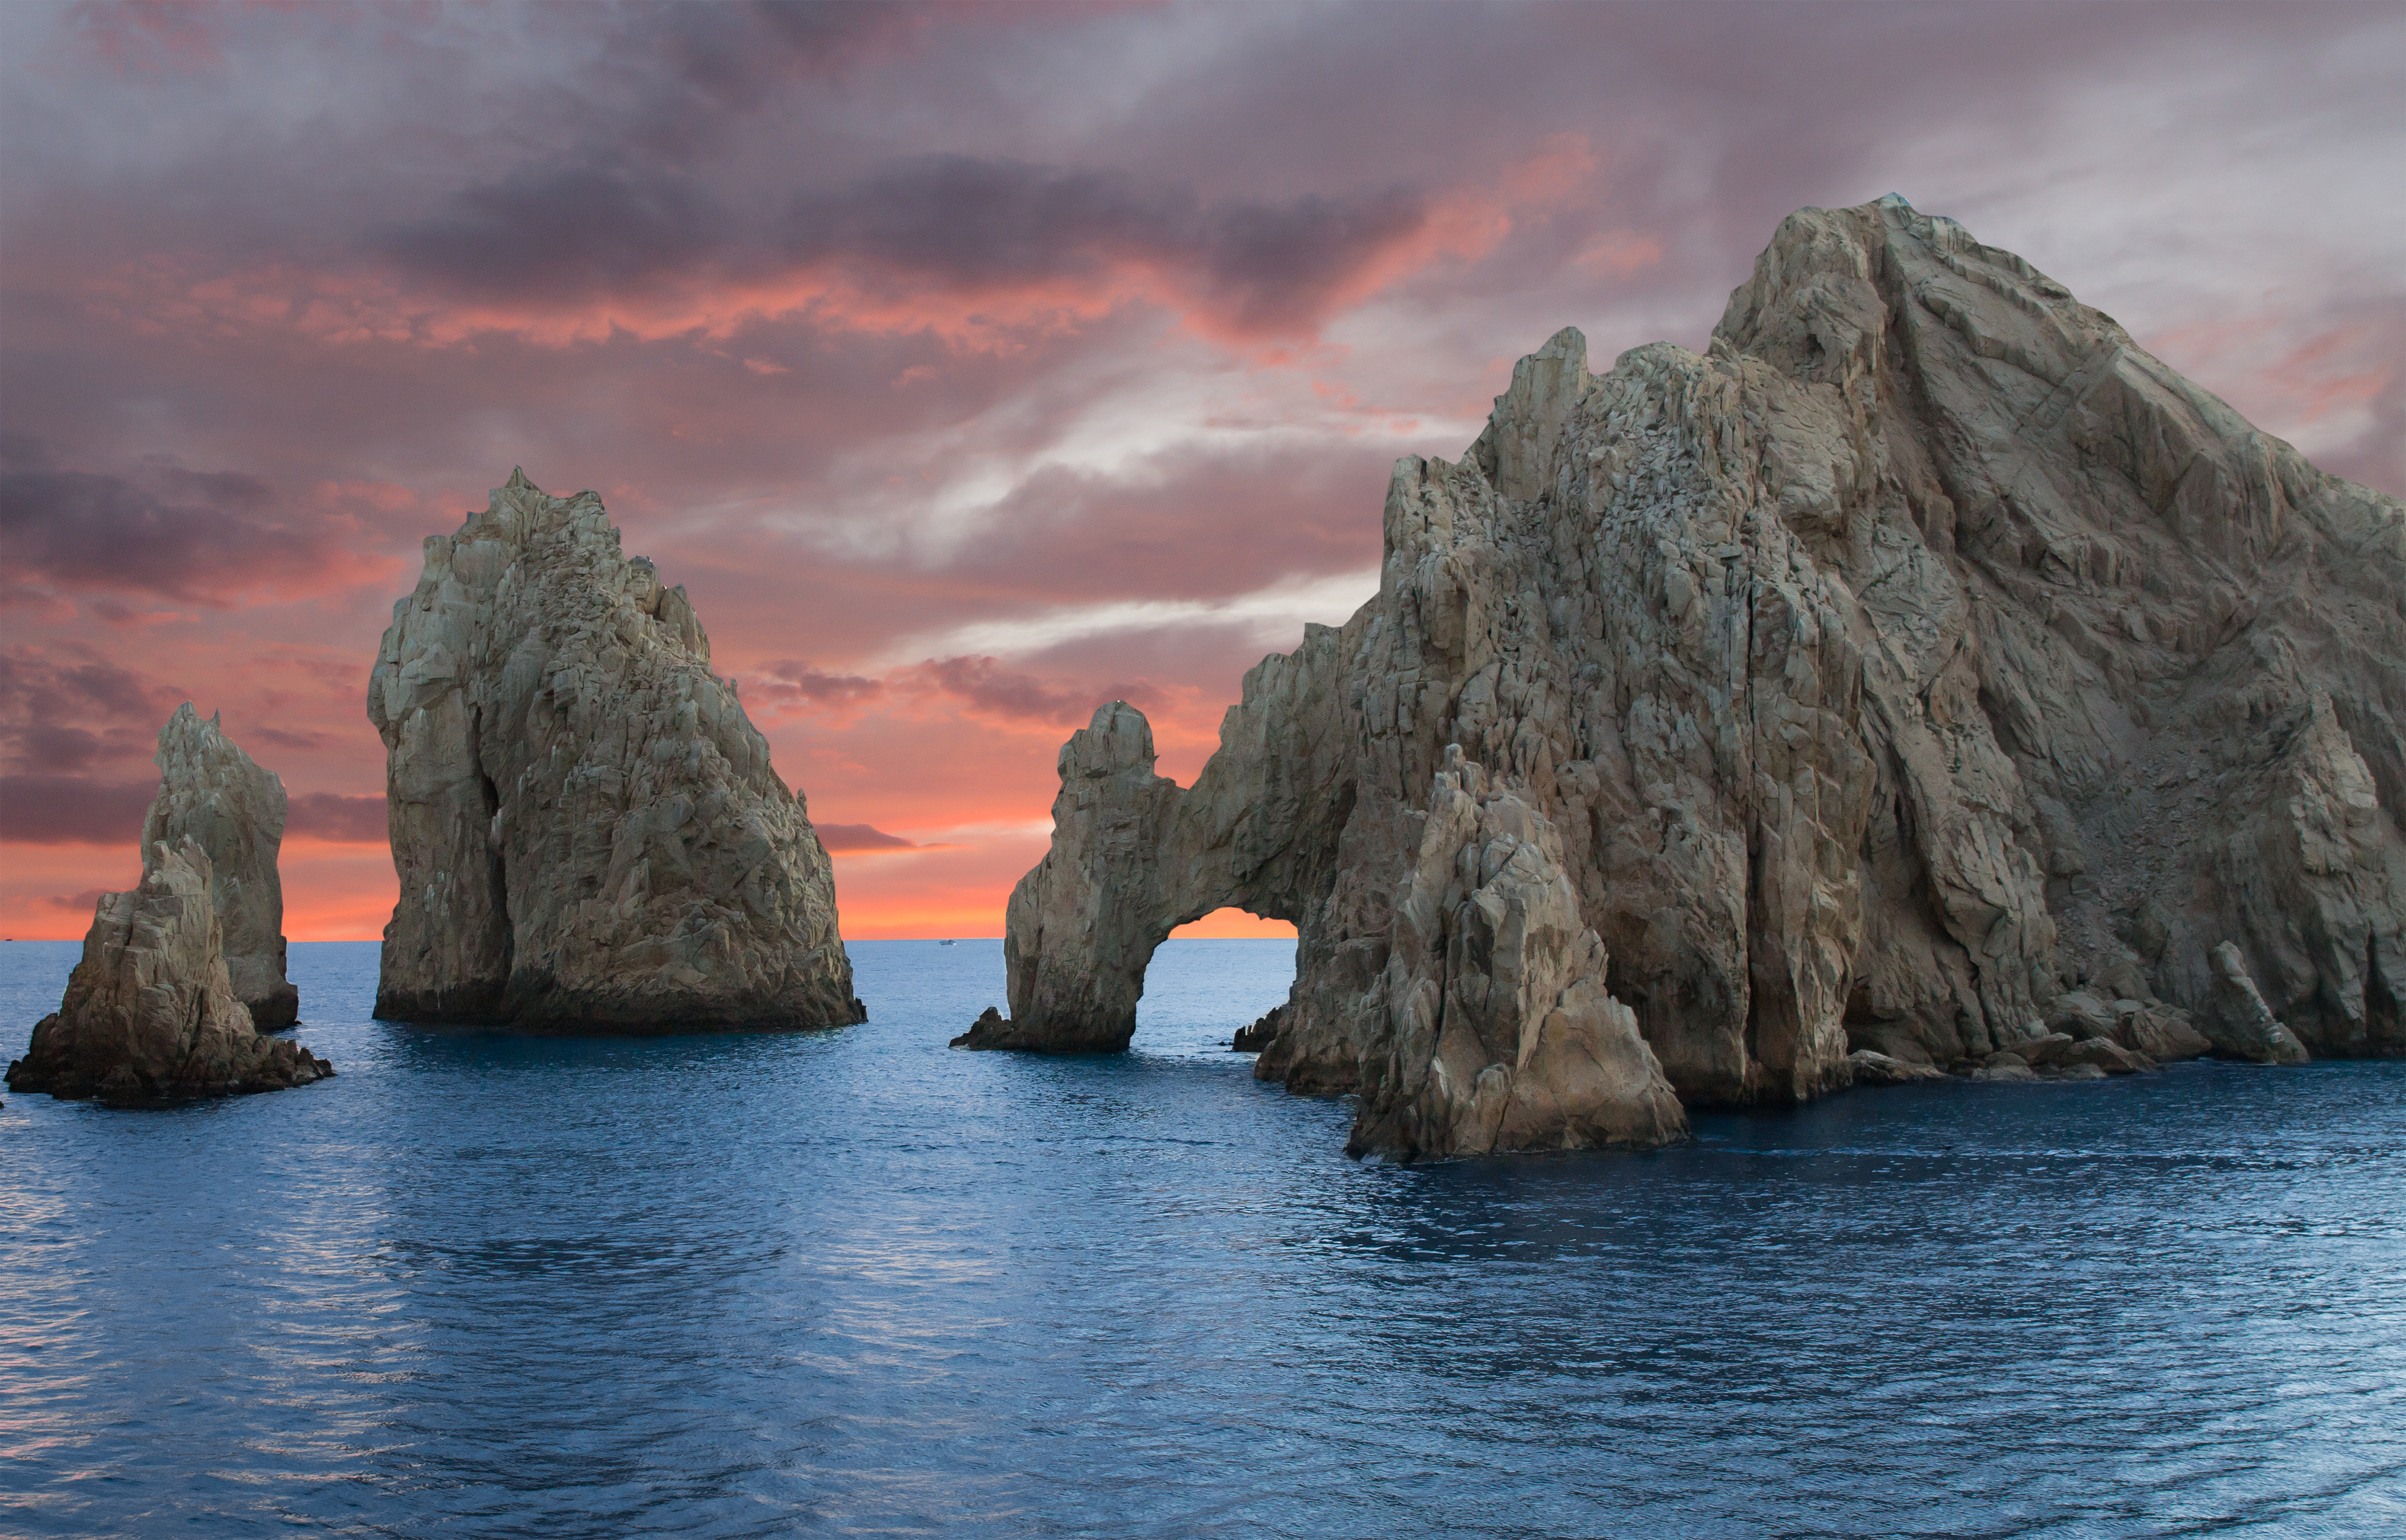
(852,1282)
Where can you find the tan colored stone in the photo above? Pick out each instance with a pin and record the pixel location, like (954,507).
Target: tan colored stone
(214,794)
(585,825)
(1921,652)
(150,1016)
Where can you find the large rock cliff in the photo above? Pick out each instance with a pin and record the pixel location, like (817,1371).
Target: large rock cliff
(211,793)
(150,1017)
(1922,653)
(585,825)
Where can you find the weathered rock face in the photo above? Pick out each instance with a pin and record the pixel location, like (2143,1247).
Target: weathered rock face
(2238,1022)
(150,1016)
(587,829)
(211,793)
(1921,651)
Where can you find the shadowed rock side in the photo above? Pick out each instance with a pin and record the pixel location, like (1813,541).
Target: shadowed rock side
(585,825)
(150,1017)
(213,794)
(1919,654)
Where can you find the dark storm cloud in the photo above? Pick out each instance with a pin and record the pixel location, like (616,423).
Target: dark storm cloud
(789,682)
(337,819)
(985,684)
(566,231)
(976,223)
(981,683)
(735,54)
(69,809)
(201,536)
(956,223)
(859,836)
(66,709)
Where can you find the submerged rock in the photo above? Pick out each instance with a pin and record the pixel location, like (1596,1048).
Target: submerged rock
(1919,654)
(585,825)
(150,1016)
(990,1030)
(212,793)
(1872,1067)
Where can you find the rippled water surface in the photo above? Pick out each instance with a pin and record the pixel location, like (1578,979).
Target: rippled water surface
(853,1283)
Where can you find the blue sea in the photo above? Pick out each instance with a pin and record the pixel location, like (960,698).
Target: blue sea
(852,1282)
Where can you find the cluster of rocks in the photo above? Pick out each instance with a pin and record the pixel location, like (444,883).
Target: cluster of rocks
(183,976)
(1921,679)
(585,827)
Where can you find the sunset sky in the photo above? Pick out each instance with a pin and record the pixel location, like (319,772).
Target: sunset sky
(972,365)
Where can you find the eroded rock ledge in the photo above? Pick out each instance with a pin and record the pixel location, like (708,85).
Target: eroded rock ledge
(1919,654)
(150,1017)
(585,825)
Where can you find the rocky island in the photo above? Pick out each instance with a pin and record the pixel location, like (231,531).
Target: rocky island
(585,825)
(150,1016)
(182,974)
(1921,679)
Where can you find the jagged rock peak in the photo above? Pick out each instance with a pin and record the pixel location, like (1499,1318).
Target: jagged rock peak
(585,825)
(150,1017)
(1920,652)
(212,793)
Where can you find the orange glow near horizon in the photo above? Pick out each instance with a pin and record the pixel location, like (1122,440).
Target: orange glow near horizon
(346,892)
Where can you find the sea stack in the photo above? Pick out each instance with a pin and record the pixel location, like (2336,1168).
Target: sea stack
(211,793)
(150,1017)
(585,827)
(1921,652)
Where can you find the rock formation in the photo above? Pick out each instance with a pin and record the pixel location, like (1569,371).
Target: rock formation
(150,1016)
(211,793)
(585,825)
(1920,651)
(1253,1039)
(2238,1022)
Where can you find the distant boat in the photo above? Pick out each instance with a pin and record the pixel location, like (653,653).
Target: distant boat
(947,943)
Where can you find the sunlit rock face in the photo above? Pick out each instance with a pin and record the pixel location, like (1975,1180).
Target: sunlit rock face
(212,793)
(150,1017)
(585,827)
(1920,651)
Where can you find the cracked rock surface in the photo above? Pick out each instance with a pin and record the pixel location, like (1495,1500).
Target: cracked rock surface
(1921,652)
(585,825)
(150,1016)
(212,793)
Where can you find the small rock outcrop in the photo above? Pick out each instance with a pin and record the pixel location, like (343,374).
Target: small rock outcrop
(1920,652)
(213,794)
(150,1016)
(2238,1022)
(1872,1067)
(1253,1039)
(585,825)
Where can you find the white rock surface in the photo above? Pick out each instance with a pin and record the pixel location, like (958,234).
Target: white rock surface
(585,825)
(150,1016)
(1920,651)
(213,794)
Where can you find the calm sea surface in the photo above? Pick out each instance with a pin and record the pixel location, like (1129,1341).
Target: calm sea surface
(853,1283)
